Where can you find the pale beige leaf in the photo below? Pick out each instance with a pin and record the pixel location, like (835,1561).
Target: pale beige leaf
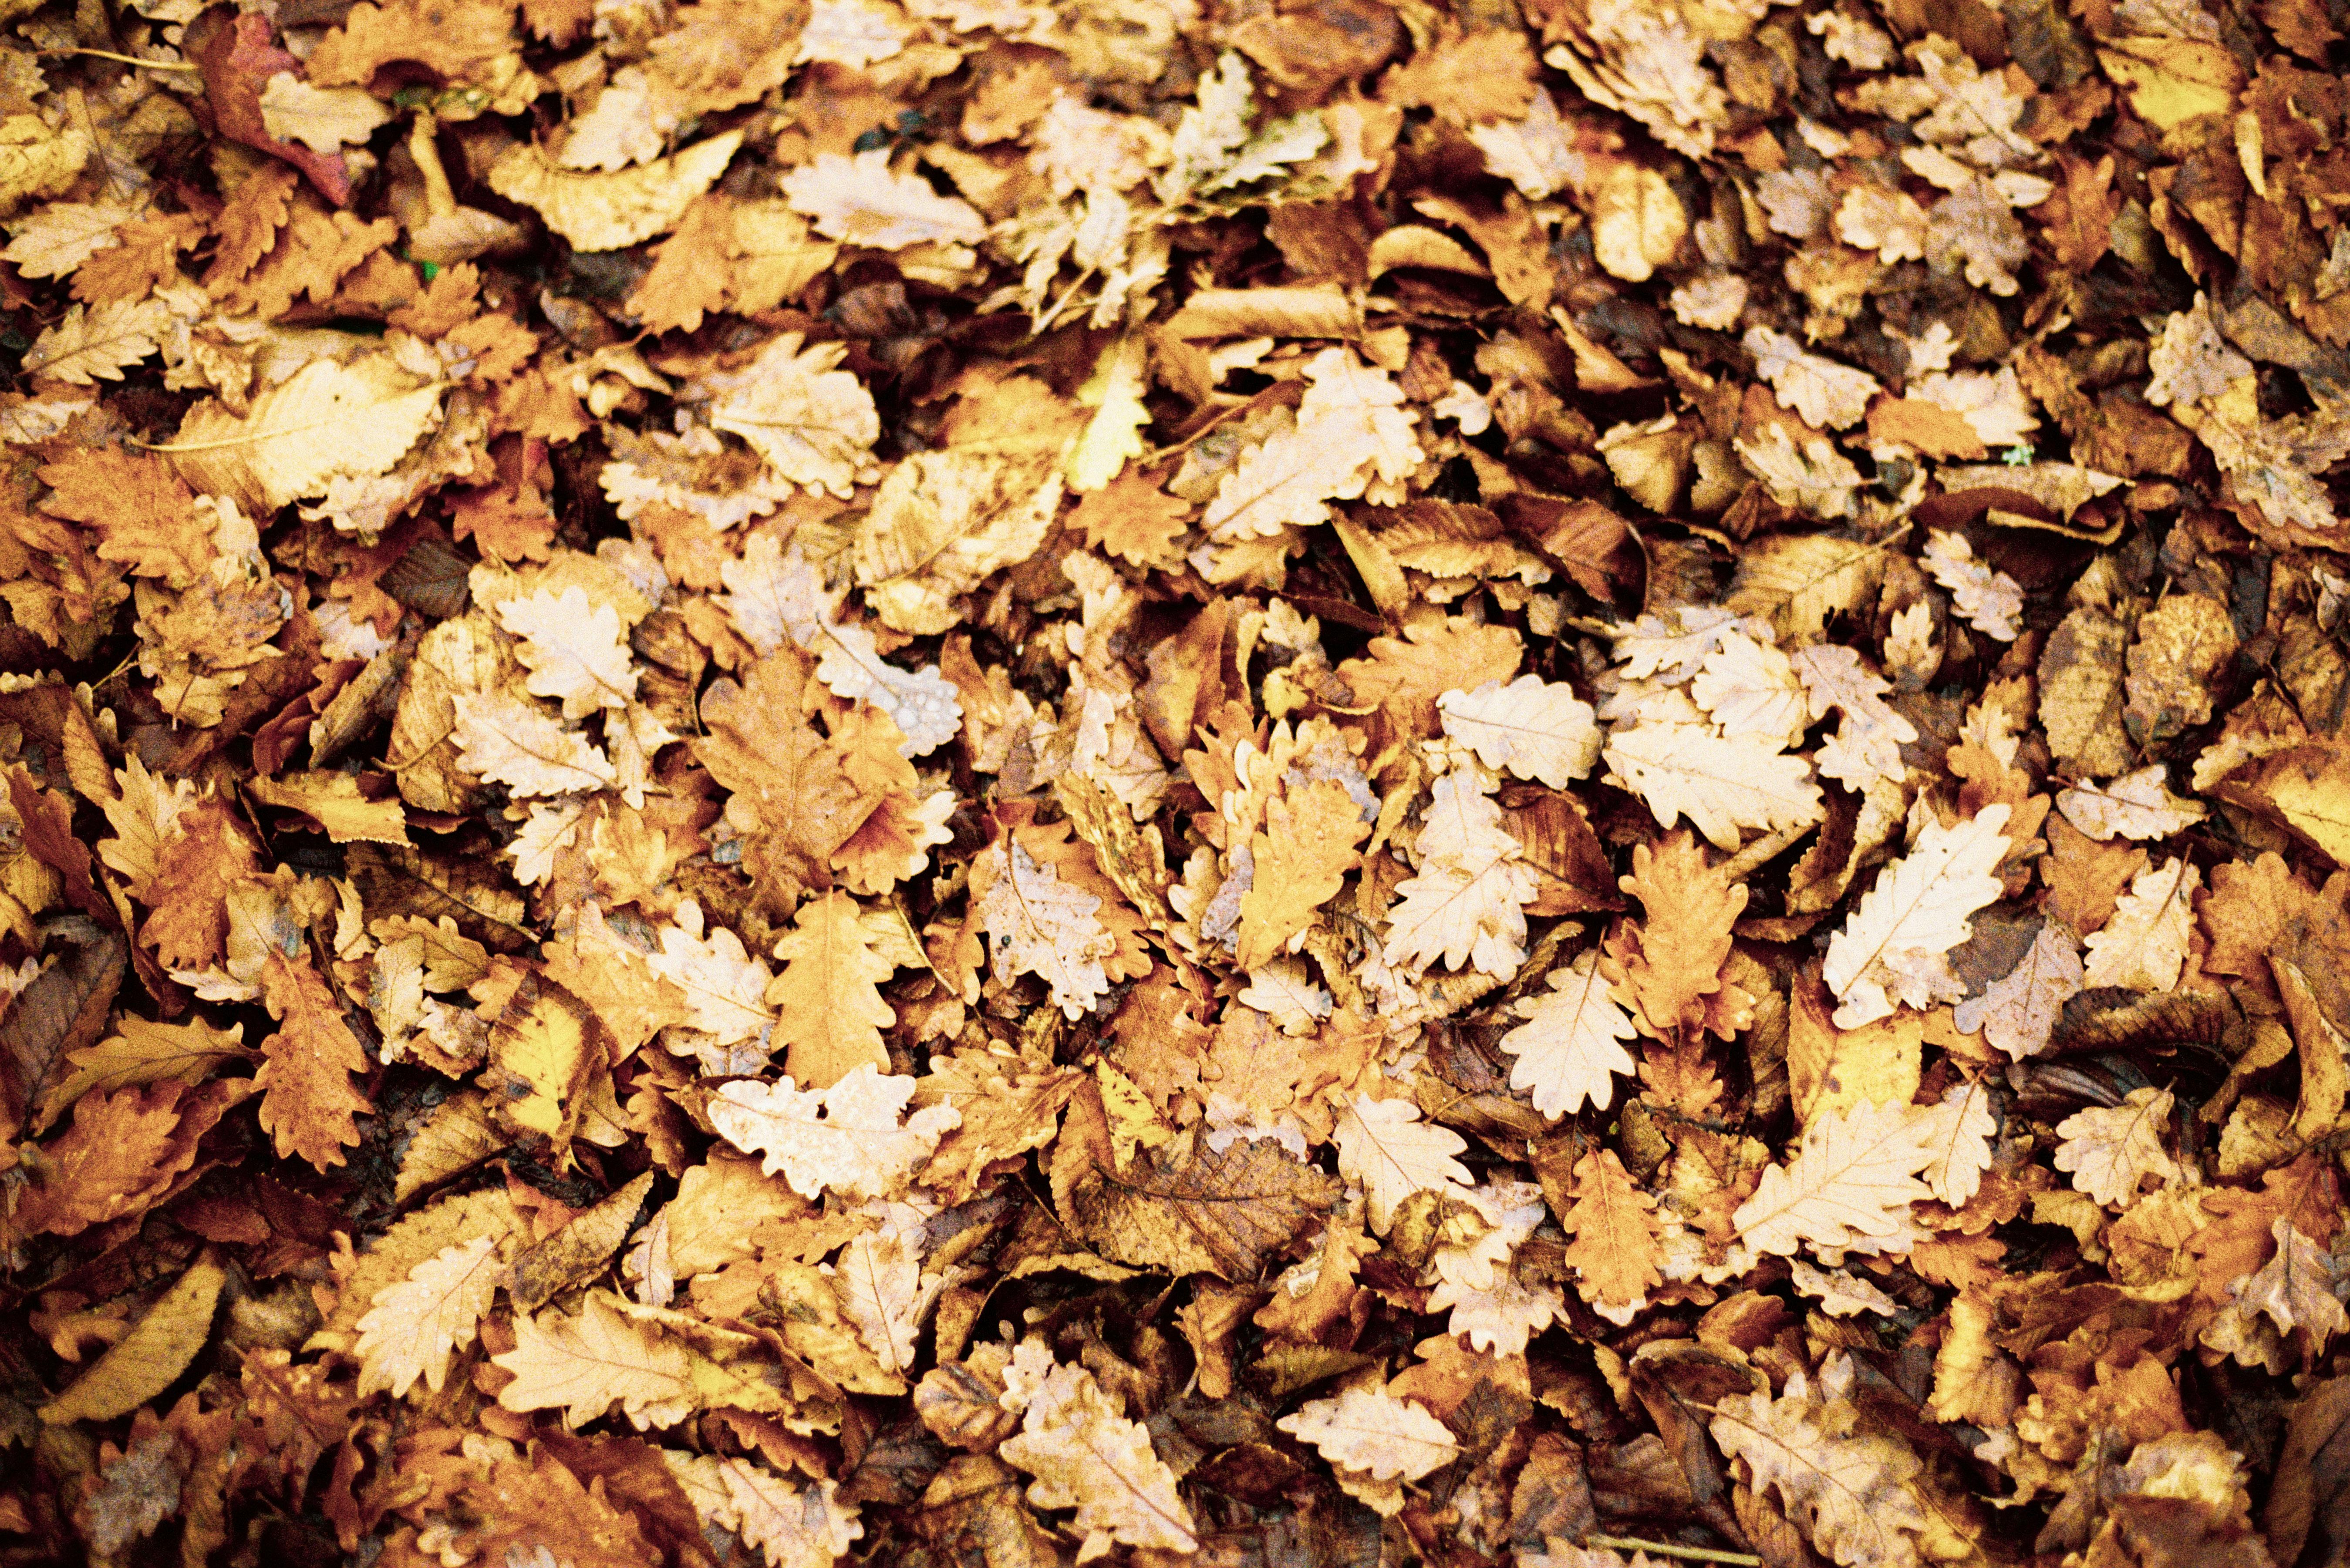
(942,522)
(2143,946)
(1373,1431)
(1723,785)
(508,742)
(1038,924)
(1814,478)
(814,424)
(1890,951)
(1537,730)
(2109,1150)
(584,1366)
(848,1138)
(2135,805)
(416,1325)
(1850,1185)
(574,650)
(1751,688)
(1462,912)
(98,344)
(881,1287)
(1351,431)
(1867,746)
(324,120)
(1384,1145)
(1571,1044)
(53,239)
(792,1526)
(2019,1010)
(1637,222)
(2295,1288)
(860,202)
(1989,599)
(1852,1495)
(1958,1134)
(1087,1457)
(612,212)
(328,420)
(1825,394)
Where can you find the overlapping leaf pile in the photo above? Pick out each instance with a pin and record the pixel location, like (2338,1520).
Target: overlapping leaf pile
(973,782)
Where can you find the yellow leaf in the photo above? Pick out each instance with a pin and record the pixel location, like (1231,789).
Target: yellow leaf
(327,420)
(612,212)
(1637,222)
(536,1061)
(333,800)
(2173,80)
(151,1357)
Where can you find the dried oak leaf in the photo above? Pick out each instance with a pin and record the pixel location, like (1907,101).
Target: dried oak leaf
(1189,1207)
(1087,1457)
(1570,1046)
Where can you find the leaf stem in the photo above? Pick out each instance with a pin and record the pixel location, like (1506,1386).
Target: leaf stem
(127,59)
(1663,1549)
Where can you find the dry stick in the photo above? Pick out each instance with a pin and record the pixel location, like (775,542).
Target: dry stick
(1663,1549)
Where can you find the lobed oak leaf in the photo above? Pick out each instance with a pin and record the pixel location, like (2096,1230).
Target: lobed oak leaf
(2296,1289)
(1372,1431)
(1674,972)
(1571,1044)
(2143,946)
(1848,1187)
(1866,747)
(56,238)
(2018,1013)
(829,1012)
(1823,391)
(584,1366)
(846,1138)
(814,424)
(1723,785)
(942,522)
(792,1526)
(884,1292)
(1384,1145)
(324,120)
(1615,1252)
(858,200)
(308,1102)
(1351,431)
(1038,924)
(1748,686)
(573,648)
(1852,1494)
(611,211)
(1301,857)
(415,1325)
(100,343)
(1890,953)
(1535,729)
(2109,1150)
(1989,599)
(2135,805)
(508,742)
(1087,1457)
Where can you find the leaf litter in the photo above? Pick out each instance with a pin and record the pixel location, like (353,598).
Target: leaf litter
(980,782)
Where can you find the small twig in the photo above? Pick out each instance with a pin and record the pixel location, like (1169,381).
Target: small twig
(1663,1549)
(126,59)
